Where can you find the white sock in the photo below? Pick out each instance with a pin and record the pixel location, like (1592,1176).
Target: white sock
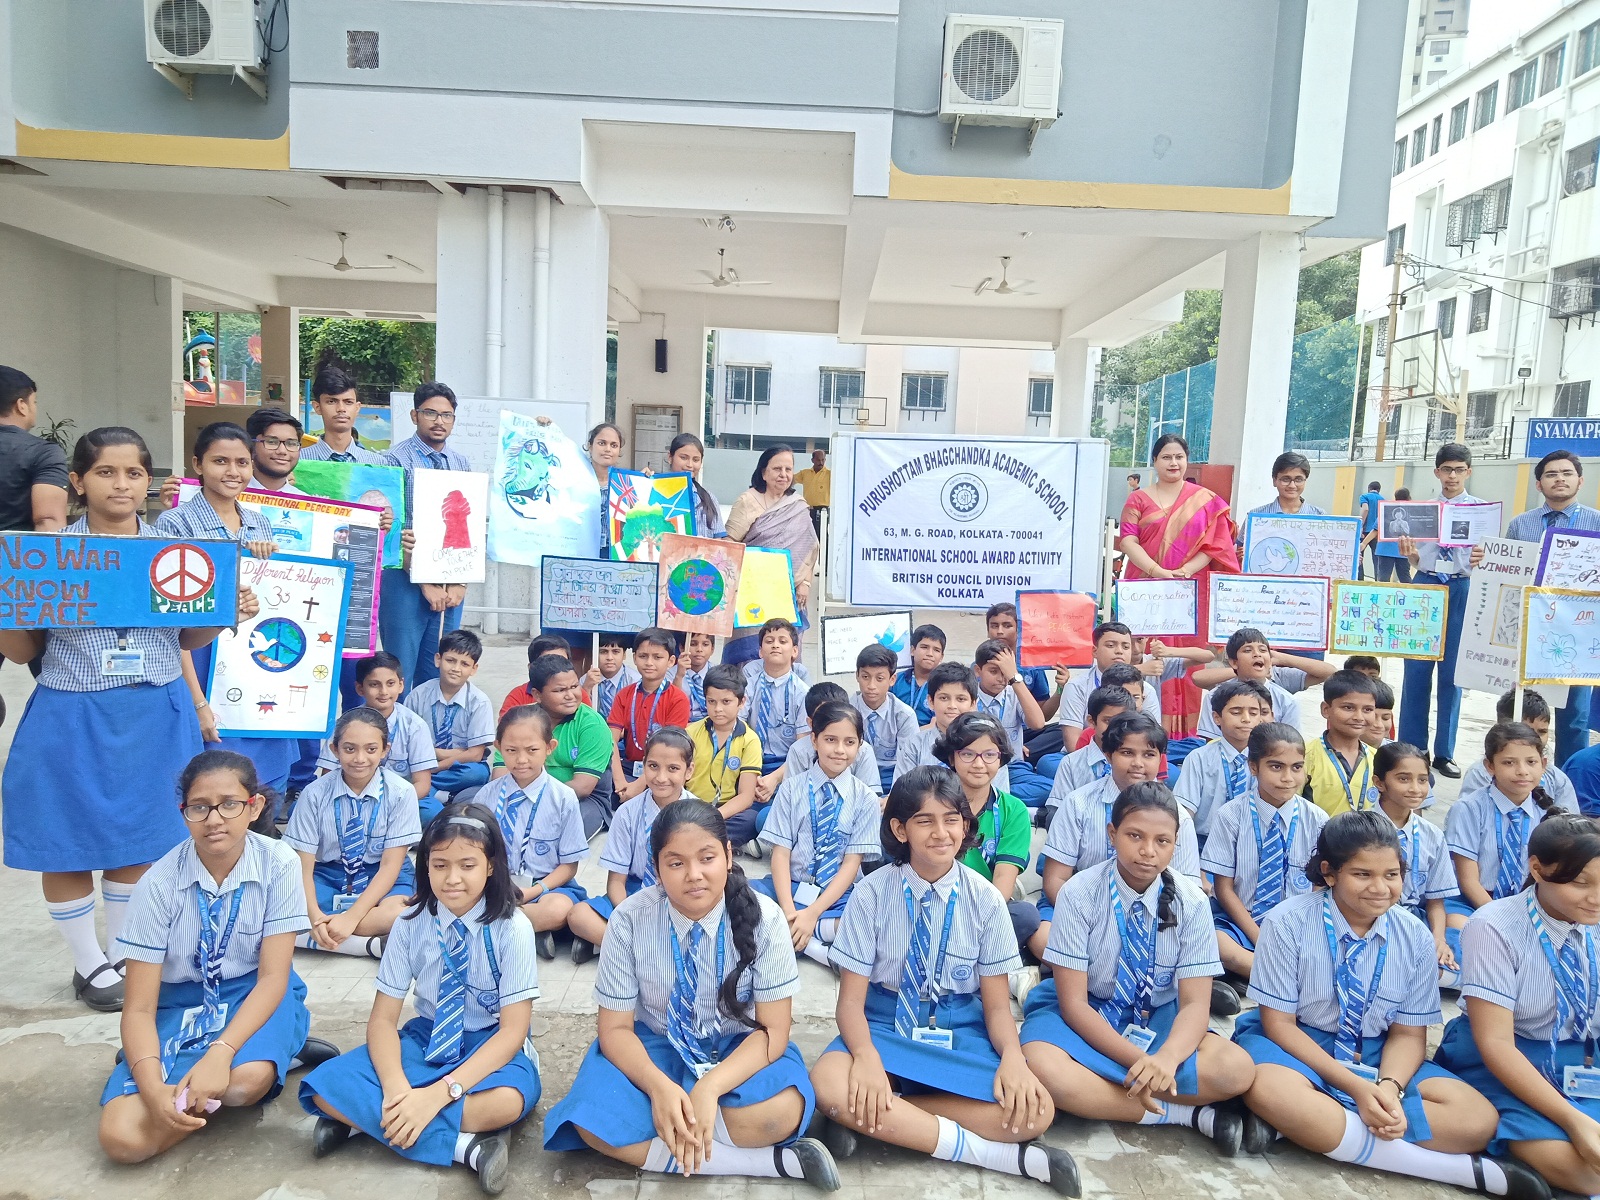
(1360,1147)
(75,920)
(358,947)
(828,929)
(466,1154)
(957,1144)
(659,1159)
(115,897)
(754,1161)
(817,951)
(1203,1118)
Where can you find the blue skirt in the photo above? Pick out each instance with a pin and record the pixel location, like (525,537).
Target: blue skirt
(1263,1050)
(350,1084)
(765,886)
(1519,1122)
(966,1069)
(1042,1022)
(276,1042)
(602,903)
(607,1104)
(575,892)
(330,880)
(1223,923)
(89,785)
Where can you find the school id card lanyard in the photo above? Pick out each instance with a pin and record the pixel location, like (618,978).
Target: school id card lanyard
(518,833)
(930,1034)
(1138,1030)
(1352,1012)
(707,1059)
(729,762)
(352,869)
(120,660)
(1577,1082)
(1359,798)
(991,845)
(210,1017)
(650,725)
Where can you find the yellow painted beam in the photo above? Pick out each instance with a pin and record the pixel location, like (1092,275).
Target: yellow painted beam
(1060,193)
(158,149)
(1344,490)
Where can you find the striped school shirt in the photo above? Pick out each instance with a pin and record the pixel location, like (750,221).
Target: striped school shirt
(413,961)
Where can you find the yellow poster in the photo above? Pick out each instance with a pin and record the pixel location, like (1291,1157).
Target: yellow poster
(766,587)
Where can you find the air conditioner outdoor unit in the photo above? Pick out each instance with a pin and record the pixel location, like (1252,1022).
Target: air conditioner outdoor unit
(1001,71)
(185,38)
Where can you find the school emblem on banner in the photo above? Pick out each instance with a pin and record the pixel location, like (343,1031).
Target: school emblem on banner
(183,579)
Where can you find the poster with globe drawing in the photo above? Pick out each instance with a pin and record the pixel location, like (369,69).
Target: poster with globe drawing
(277,675)
(698,582)
(1292,544)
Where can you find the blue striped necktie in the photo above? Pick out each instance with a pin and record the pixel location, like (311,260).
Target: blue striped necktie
(697,691)
(648,878)
(874,724)
(352,845)
(1238,776)
(437,459)
(1553,516)
(914,978)
(444,723)
(682,1025)
(511,811)
(764,712)
(606,694)
(1270,879)
(1135,966)
(1352,995)
(1511,843)
(828,837)
(450,1009)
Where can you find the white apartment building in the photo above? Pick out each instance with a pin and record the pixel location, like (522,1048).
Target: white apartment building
(1438,43)
(1492,204)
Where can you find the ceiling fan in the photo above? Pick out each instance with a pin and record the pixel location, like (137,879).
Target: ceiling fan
(1004,287)
(344,264)
(726,276)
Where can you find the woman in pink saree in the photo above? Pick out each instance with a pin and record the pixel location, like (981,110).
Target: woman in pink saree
(771,513)
(1175,529)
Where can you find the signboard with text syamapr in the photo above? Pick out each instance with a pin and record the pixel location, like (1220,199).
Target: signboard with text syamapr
(76,581)
(1581,435)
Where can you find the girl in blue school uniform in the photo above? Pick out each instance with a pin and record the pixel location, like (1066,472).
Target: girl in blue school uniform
(541,822)
(1260,843)
(354,828)
(215,1014)
(928,1056)
(108,697)
(823,826)
(1487,831)
(223,464)
(1120,1032)
(1346,980)
(1529,980)
(693,1072)
(629,864)
(446,1086)
(1405,783)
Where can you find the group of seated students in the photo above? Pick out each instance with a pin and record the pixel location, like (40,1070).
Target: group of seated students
(900,822)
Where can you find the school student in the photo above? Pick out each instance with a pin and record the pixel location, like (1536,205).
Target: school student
(693,1072)
(410,748)
(215,1014)
(1346,983)
(693,663)
(539,818)
(1380,730)
(1113,644)
(1528,983)
(952,690)
(823,826)
(1000,624)
(113,700)
(686,453)
(727,755)
(460,715)
(927,1055)
(584,745)
(1219,771)
(1404,784)
(1536,716)
(1339,763)
(1260,843)
(446,1086)
(646,705)
(1120,1032)
(545,643)
(611,672)
(1088,763)
(889,719)
(775,698)
(912,684)
(804,751)
(668,763)
(354,828)
(333,394)
(1251,656)
(1004,695)
(976,747)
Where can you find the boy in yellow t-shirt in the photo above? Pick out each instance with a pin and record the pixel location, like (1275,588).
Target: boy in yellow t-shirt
(1339,764)
(727,755)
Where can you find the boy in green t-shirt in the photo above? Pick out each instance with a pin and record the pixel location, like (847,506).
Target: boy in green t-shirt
(584,745)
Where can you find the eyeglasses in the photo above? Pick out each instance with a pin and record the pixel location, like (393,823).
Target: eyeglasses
(196,813)
(972,756)
(434,414)
(1453,470)
(272,443)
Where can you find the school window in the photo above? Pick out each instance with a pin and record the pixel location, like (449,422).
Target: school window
(1582,162)
(1445,320)
(1400,156)
(1575,288)
(842,390)
(1458,122)
(923,393)
(1572,400)
(1395,244)
(1419,144)
(748,385)
(1041,397)
(1478,320)
(1442,425)
(1481,407)
(1551,64)
(1520,86)
(1438,129)
(1588,49)
(1439,48)
(1486,101)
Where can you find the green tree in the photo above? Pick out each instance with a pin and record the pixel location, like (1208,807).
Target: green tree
(385,355)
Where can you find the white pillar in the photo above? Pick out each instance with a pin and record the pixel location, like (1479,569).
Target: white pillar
(1260,286)
(1073,401)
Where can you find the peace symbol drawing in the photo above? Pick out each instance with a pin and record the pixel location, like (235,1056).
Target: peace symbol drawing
(182,573)
(277,644)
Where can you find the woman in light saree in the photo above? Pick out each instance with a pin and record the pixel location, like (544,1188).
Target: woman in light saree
(771,514)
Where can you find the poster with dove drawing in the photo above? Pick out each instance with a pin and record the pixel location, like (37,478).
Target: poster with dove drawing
(450,519)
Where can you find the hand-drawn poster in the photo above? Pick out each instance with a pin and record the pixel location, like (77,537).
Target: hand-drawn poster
(1291,544)
(543,496)
(1291,611)
(450,519)
(699,583)
(1055,629)
(845,637)
(1570,558)
(1490,656)
(642,509)
(766,588)
(360,483)
(1401,620)
(1158,607)
(596,595)
(1560,636)
(277,675)
(61,581)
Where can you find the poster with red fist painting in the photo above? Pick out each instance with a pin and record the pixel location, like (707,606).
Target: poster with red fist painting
(450,518)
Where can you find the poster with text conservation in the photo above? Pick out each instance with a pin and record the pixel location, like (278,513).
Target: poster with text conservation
(1291,611)
(1489,658)
(699,584)
(543,496)
(277,675)
(1158,607)
(450,520)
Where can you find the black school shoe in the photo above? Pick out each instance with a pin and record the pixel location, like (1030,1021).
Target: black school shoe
(493,1152)
(816,1163)
(544,944)
(1522,1181)
(1227,1131)
(328,1136)
(105,997)
(582,951)
(1447,767)
(840,1140)
(1225,1001)
(1064,1180)
(313,1054)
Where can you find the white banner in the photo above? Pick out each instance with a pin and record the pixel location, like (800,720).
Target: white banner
(967,522)
(1489,658)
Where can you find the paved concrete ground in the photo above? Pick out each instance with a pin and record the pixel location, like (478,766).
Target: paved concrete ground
(55,1055)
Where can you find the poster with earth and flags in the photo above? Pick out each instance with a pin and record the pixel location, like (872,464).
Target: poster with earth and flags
(643,509)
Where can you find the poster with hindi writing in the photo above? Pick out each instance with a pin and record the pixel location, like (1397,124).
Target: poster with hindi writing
(450,519)
(1400,620)
(1291,611)
(698,584)
(1055,629)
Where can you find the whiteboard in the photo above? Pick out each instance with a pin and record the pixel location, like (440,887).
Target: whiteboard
(477,431)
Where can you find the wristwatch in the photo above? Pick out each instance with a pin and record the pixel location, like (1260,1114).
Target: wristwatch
(1014,680)
(1398,1086)
(455,1090)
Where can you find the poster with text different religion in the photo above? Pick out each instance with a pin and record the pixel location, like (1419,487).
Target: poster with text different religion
(277,675)
(450,520)
(967,522)
(543,496)
(1489,658)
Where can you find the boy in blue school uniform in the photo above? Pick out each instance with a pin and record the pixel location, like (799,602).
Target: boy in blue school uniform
(411,754)
(1003,694)
(889,719)
(1251,656)
(775,699)
(1088,763)
(927,652)
(1219,771)
(460,715)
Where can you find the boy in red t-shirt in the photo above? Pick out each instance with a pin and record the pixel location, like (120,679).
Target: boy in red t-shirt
(642,708)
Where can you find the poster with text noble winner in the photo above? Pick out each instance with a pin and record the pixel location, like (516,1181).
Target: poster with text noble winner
(966,522)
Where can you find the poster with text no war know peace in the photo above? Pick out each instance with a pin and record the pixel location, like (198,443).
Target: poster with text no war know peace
(74,581)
